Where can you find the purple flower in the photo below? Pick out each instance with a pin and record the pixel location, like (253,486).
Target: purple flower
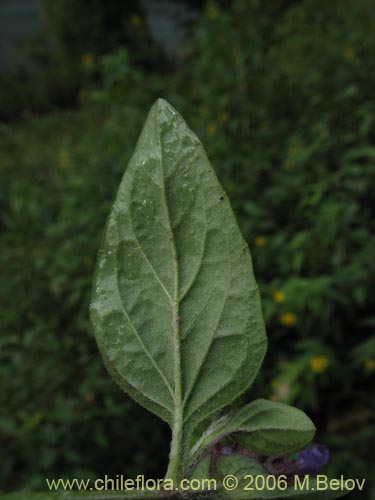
(310,460)
(226,451)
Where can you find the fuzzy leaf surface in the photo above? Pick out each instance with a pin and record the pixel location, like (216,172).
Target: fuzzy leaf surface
(273,428)
(262,426)
(175,306)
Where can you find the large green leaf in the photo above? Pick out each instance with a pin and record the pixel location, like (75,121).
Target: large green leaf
(263,426)
(175,306)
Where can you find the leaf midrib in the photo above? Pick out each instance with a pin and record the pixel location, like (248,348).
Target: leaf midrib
(176,443)
(174,302)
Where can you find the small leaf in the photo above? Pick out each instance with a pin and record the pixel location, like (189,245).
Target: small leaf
(273,428)
(175,306)
(263,426)
(240,467)
(201,469)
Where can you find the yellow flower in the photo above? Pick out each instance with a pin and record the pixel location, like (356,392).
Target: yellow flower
(211,129)
(136,20)
(212,12)
(292,153)
(318,364)
(82,94)
(87,60)
(275,397)
(288,319)
(281,391)
(260,241)
(223,117)
(89,397)
(278,296)
(64,158)
(349,53)
(290,164)
(293,150)
(369,364)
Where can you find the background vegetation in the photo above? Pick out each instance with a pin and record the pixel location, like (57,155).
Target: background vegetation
(280,94)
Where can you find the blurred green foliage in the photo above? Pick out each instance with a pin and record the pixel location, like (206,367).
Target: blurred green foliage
(50,68)
(281,95)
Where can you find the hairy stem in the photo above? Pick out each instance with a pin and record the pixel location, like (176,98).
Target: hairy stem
(173,471)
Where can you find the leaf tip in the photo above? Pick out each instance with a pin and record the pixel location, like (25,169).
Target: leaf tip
(162,109)
(161,103)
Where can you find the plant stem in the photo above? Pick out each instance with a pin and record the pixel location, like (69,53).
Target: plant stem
(174,465)
(173,471)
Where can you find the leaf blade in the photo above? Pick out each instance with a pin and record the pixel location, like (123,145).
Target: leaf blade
(174,293)
(273,428)
(265,427)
